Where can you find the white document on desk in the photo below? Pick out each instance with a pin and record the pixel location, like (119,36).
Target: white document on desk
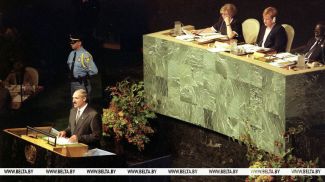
(283,62)
(217,49)
(213,36)
(187,38)
(61,141)
(249,48)
(218,35)
(284,55)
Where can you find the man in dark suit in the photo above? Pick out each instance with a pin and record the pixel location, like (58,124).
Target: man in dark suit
(272,35)
(84,123)
(314,49)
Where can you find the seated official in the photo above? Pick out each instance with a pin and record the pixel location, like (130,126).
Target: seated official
(84,122)
(272,35)
(18,75)
(227,23)
(314,49)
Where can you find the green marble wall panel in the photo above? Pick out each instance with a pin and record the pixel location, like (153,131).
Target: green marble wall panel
(225,94)
(306,97)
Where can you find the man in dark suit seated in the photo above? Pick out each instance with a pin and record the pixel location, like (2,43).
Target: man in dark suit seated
(272,35)
(314,49)
(84,122)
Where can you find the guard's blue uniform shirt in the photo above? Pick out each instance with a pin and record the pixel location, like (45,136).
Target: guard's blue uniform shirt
(83,64)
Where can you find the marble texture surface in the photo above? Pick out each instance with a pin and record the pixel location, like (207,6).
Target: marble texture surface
(228,95)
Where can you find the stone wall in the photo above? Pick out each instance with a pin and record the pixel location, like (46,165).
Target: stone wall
(195,147)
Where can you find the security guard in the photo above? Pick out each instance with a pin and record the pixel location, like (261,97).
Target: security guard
(81,65)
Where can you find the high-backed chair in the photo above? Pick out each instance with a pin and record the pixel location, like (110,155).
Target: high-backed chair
(31,76)
(290,35)
(250,28)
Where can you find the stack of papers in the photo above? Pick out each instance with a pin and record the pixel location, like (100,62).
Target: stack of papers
(219,47)
(186,37)
(187,32)
(282,63)
(210,37)
(249,48)
(202,38)
(214,35)
(287,56)
(189,36)
(284,59)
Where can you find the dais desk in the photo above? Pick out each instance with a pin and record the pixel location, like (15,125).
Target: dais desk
(229,94)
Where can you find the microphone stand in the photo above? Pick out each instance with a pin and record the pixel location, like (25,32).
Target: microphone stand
(20,84)
(21,91)
(323,57)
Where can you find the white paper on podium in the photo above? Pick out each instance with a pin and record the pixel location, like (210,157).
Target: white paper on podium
(60,140)
(54,131)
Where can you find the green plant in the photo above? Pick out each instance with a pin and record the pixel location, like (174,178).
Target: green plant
(261,159)
(128,114)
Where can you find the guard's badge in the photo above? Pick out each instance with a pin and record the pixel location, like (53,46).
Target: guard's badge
(85,58)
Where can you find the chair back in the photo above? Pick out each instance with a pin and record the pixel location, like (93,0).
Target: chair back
(250,28)
(31,76)
(290,35)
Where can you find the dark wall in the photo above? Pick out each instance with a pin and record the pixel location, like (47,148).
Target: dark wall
(132,18)
(302,15)
(44,25)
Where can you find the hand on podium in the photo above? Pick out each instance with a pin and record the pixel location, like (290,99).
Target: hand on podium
(73,139)
(62,134)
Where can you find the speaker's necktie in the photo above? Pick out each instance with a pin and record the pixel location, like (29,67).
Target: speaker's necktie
(77,116)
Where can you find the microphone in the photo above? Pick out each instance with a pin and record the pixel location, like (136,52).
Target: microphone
(323,57)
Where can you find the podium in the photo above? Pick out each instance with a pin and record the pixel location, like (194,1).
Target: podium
(35,136)
(32,143)
(25,144)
